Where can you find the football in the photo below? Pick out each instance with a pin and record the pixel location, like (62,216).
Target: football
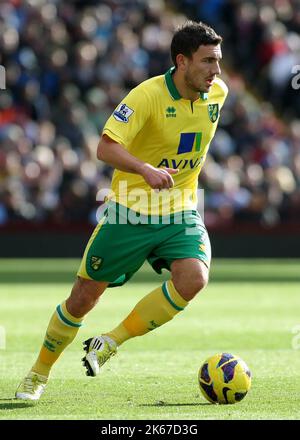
(224,378)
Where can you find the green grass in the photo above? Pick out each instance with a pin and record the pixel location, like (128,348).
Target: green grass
(250,308)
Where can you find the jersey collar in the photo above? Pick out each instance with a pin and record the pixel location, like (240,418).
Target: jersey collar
(173,89)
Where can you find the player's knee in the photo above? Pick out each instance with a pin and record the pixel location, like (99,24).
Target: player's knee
(84,296)
(188,287)
(198,283)
(201,281)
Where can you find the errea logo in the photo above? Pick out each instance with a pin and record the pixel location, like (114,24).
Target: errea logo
(170,112)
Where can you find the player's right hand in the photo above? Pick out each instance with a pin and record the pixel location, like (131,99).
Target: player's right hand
(158,178)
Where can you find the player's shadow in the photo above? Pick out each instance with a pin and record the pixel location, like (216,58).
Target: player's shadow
(9,404)
(161,405)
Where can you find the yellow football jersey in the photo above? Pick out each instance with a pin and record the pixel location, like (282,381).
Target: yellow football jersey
(156,125)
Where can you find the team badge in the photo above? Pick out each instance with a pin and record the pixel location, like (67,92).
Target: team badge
(122,113)
(96,262)
(213,112)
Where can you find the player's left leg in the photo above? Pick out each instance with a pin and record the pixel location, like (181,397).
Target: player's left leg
(189,276)
(183,248)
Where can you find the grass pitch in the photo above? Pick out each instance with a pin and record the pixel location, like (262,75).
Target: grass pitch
(250,308)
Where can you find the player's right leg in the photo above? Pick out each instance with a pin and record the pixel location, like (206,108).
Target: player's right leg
(62,329)
(116,250)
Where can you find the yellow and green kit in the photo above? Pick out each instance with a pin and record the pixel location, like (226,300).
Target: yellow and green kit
(116,250)
(156,125)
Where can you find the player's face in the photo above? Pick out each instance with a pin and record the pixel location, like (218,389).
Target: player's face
(202,68)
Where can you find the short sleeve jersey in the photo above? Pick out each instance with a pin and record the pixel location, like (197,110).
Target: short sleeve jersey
(156,125)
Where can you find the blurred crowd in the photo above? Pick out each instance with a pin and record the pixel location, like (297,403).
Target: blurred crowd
(68,64)
(262,41)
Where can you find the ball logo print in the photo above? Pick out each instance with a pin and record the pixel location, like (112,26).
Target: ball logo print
(224,378)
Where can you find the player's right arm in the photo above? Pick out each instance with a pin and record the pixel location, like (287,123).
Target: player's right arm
(114,154)
(120,130)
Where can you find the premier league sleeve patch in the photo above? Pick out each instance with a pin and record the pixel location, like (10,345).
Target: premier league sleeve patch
(122,113)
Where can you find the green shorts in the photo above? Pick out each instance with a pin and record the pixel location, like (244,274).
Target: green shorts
(121,243)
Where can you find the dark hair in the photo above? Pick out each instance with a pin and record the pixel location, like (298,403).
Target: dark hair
(190,36)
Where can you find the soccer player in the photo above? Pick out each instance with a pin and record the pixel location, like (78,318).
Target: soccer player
(157,140)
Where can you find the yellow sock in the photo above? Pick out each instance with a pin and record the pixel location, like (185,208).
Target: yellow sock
(62,329)
(154,310)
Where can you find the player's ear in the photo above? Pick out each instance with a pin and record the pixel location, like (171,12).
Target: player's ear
(181,61)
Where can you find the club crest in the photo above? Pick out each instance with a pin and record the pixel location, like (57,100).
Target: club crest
(96,262)
(213,112)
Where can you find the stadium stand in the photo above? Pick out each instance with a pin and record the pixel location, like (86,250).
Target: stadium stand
(68,64)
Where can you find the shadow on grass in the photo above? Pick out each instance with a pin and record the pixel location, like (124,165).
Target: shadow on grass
(161,405)
(9,404)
